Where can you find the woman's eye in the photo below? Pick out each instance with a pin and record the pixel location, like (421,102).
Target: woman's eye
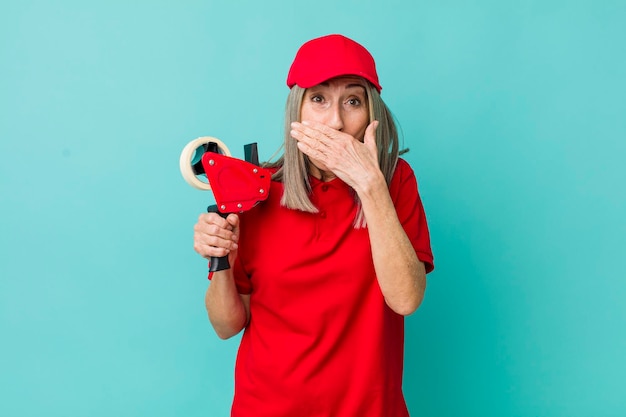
(354,102)
(317,99)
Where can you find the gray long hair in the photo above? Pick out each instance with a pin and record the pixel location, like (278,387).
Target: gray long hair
(293,165)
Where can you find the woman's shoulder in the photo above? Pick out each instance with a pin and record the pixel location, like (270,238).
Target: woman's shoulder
(403,170)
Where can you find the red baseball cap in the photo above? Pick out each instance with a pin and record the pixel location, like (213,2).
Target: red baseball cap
(330,56)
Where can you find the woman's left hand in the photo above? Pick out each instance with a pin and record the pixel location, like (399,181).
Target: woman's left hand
(353,161)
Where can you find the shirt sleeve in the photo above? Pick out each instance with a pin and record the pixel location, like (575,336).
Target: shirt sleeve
(410,210)
(242,280)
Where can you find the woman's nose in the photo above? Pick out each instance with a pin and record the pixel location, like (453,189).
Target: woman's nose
(334,117)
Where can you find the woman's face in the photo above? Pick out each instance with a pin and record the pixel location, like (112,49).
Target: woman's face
(340,103)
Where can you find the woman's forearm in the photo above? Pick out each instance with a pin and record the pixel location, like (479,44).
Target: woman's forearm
(227,309)
(401,275)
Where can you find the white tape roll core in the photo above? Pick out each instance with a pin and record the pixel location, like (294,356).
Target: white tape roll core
(187,155)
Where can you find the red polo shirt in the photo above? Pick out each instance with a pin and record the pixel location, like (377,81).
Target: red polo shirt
(321,340)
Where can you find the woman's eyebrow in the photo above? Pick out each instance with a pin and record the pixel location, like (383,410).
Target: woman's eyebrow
(315,88)
(355,86)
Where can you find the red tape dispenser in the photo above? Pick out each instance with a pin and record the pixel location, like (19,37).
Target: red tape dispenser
(237,185)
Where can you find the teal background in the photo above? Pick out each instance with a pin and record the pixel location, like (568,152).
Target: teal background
(514,112)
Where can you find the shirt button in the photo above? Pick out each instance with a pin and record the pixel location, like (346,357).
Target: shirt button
(323,214)
(324,187)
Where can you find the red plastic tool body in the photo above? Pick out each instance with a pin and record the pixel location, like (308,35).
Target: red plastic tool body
(237,185)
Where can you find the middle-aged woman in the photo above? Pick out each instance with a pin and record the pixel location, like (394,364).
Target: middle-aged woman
(325,270)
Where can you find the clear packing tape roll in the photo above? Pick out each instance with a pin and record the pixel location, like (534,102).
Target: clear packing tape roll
(191,154)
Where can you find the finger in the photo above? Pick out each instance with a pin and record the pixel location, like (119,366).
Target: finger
(310,151)
(309,146)
(208,251)
(213,218)
(324,131)
(315,134)
(370,135)
(233,220)
(320,141)
(324,134)
(308,137)
(212,245)
(219,240)
(207,230)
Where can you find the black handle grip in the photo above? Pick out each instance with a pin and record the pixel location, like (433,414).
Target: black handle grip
(218,263)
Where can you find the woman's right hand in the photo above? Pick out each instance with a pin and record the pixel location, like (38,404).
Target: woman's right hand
(228,311)
(215,236)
